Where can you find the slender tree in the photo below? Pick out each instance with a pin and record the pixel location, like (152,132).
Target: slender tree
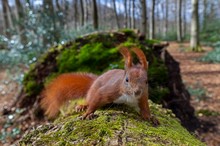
(184,18)
(116,15)
(179,20)
(86,11)
(204,14)
(95,14)
(126,14)
(144,17)
(133,14)
(129,13)
(82,12)
(151,35)
(5,16)
(194,39)
(21,28)
(166,17)
(75,13)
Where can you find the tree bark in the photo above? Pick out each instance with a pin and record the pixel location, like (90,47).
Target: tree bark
(166,18)
(194,39)
(126,14)
(151,35)
(6,18)
(116,15)
(82,12)
(179,20)
(184,25)
(133,15)
(204,14)
(129,13)
(75,13)
(95,15)
(144,17)
(49,10)
(21,27)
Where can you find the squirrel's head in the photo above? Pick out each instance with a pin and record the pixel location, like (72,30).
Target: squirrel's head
(135,79)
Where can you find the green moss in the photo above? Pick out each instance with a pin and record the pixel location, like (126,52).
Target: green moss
(152,42)
(32,87)
(114,125)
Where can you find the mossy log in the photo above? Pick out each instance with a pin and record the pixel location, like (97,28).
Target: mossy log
(115,125)
(97,53)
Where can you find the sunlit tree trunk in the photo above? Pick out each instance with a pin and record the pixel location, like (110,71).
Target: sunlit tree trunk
(144,17)
(184,18)
(179,20)
(194,40)
(116,15)
(151,35)
(95,14)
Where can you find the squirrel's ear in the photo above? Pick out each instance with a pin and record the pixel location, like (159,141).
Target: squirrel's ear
(141,56)
(127,56)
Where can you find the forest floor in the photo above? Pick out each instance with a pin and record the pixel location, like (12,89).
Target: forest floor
(203,82)
(201,79)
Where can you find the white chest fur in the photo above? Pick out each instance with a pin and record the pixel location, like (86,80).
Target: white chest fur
(129,100)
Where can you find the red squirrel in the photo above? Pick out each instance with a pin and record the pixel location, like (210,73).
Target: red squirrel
(127,86)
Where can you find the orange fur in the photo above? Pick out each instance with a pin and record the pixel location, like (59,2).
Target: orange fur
(141,57)
(63,88)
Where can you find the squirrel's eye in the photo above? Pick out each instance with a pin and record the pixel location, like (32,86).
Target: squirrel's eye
(126,79)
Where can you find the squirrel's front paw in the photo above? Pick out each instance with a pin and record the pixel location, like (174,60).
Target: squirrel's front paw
(89,116)
(80,108)
(154,121)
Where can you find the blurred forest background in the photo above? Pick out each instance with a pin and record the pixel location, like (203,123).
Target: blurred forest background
(29,27)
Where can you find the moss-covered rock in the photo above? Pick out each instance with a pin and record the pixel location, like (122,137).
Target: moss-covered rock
(114,125)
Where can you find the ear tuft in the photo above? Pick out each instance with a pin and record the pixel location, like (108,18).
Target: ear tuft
(141,56)
(127,56)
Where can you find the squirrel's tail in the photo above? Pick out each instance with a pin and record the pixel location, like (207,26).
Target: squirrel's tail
(63,88)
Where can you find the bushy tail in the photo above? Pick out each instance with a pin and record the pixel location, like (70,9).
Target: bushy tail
(63,88)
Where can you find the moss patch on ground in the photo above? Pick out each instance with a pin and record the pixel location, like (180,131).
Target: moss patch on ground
(114,125)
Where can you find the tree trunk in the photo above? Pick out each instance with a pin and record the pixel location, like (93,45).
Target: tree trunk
(166,17)
(116,15)
(144,17)
(151,35)
(133,15)
(6,18)
(129,13)
(82,12)
(95,15)
(179,20)
(75,13)
(184,18)
(194,40)
(21,27)
(204,14)
(126,14)
(86,11)
(49,10)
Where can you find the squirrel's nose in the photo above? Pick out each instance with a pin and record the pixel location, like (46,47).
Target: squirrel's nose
(138,92)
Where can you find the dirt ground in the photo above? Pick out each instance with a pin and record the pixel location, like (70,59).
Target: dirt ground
(204,80)
(198,76)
